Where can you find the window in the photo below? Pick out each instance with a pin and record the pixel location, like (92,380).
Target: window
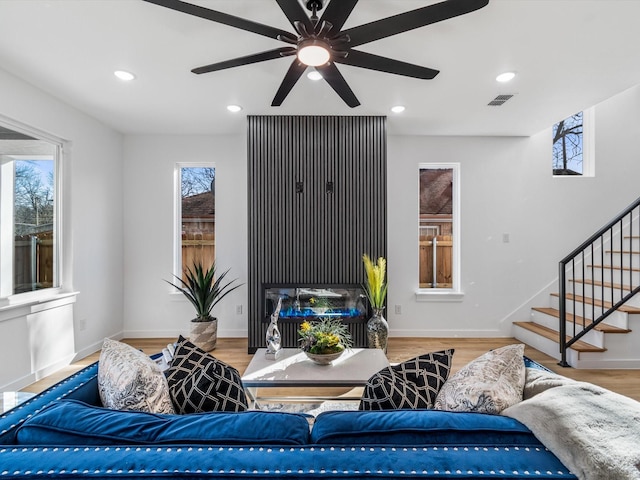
(29,195)
(572,149)
(438,227)
(196,216)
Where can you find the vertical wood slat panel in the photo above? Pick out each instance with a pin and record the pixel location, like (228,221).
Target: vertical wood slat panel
(313,237)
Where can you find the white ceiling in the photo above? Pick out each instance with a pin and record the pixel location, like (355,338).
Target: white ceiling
(569,55)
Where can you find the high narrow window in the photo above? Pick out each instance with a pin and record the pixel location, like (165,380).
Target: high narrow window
(568,145)
(572,148)
(197,216)
(438,227)
(28,205)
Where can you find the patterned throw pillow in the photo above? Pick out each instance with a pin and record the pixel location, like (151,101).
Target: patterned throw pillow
(488,384)
(199,382)
(129,380)
(410,385)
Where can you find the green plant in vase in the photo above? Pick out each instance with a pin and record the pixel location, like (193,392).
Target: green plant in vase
(204,290)
(376,291)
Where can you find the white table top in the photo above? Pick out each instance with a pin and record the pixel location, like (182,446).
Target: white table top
(294,369)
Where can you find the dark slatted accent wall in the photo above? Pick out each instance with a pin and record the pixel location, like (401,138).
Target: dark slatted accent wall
(314,236)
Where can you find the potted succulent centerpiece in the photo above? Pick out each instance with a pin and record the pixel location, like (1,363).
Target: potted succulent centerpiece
(324,340)
(376,290)
(204,290)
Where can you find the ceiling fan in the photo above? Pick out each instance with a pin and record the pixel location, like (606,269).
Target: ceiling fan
(321,42)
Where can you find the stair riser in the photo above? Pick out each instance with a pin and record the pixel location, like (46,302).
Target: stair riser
(617,319)
(586,290)
(628,260)
(632,243)
(611,275)
(543,344)
(593,337)
(622,352)
(602,293)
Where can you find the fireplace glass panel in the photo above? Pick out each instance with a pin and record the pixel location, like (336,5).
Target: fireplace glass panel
(299,303)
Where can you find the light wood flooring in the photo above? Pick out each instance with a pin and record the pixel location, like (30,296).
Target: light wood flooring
(234,352)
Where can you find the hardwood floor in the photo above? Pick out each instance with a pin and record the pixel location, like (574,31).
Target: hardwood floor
(234,352)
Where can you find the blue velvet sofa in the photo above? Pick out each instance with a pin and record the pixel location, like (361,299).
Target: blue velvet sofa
(65,433)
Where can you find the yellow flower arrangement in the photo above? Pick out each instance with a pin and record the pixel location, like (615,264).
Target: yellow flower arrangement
(375,287)
(326,335)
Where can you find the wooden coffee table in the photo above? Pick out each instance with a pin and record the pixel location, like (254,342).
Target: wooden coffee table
(294,370)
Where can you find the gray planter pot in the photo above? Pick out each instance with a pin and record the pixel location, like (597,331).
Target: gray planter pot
(204,335)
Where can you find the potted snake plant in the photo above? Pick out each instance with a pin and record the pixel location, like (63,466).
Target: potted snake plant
(204,290)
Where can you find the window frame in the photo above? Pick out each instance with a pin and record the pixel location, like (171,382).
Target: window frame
(177,225)
(61,146)
(454,293)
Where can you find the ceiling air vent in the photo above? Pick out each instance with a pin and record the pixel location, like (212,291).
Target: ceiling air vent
(499,100)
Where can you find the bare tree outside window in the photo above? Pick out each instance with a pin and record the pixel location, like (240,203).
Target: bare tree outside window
(33,196)
(568,146)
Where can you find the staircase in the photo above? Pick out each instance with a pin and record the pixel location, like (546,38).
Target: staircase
(593,321)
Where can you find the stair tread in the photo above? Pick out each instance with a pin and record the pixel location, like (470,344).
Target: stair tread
(598,283)
(551,334)
(599,303)
(601,327)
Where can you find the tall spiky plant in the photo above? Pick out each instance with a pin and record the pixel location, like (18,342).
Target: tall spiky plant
(203,289)
(375,287)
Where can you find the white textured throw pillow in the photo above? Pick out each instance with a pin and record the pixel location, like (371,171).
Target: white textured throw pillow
(129,380)
(489,384)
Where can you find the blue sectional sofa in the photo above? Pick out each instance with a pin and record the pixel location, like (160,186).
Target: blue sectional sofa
(65,433)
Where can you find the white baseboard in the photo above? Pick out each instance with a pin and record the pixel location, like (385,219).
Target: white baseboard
(448,333)
(19,384)
(22,382)
(94,347)
(222,333)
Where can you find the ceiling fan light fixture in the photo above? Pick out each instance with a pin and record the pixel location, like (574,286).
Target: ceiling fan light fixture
(234,108)
(505,77)
(313,52)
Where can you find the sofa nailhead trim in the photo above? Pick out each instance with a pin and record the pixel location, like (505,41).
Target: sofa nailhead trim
(267,450)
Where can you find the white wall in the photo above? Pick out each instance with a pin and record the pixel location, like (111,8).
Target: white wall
(92,218)
(506,187)
(152,307)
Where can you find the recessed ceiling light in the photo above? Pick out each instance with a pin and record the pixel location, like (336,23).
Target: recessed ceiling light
(124,75)
(234,108)
(398,109)
(505,77)
(314,75)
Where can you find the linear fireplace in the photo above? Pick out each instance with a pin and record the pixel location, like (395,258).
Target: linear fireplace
(305,302)
(317,201)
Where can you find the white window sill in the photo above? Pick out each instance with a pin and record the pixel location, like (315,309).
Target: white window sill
(424,295)
(25,304)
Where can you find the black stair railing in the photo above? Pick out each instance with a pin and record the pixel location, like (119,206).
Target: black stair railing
(608,261)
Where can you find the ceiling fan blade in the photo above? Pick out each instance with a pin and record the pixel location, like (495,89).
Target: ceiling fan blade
(246,60)
(224,18)
(293,75)
(295,13)
(334,78)
(411,20)
(337,13)
(356,58)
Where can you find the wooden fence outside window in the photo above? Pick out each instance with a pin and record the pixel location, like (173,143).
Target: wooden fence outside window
(443,261)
